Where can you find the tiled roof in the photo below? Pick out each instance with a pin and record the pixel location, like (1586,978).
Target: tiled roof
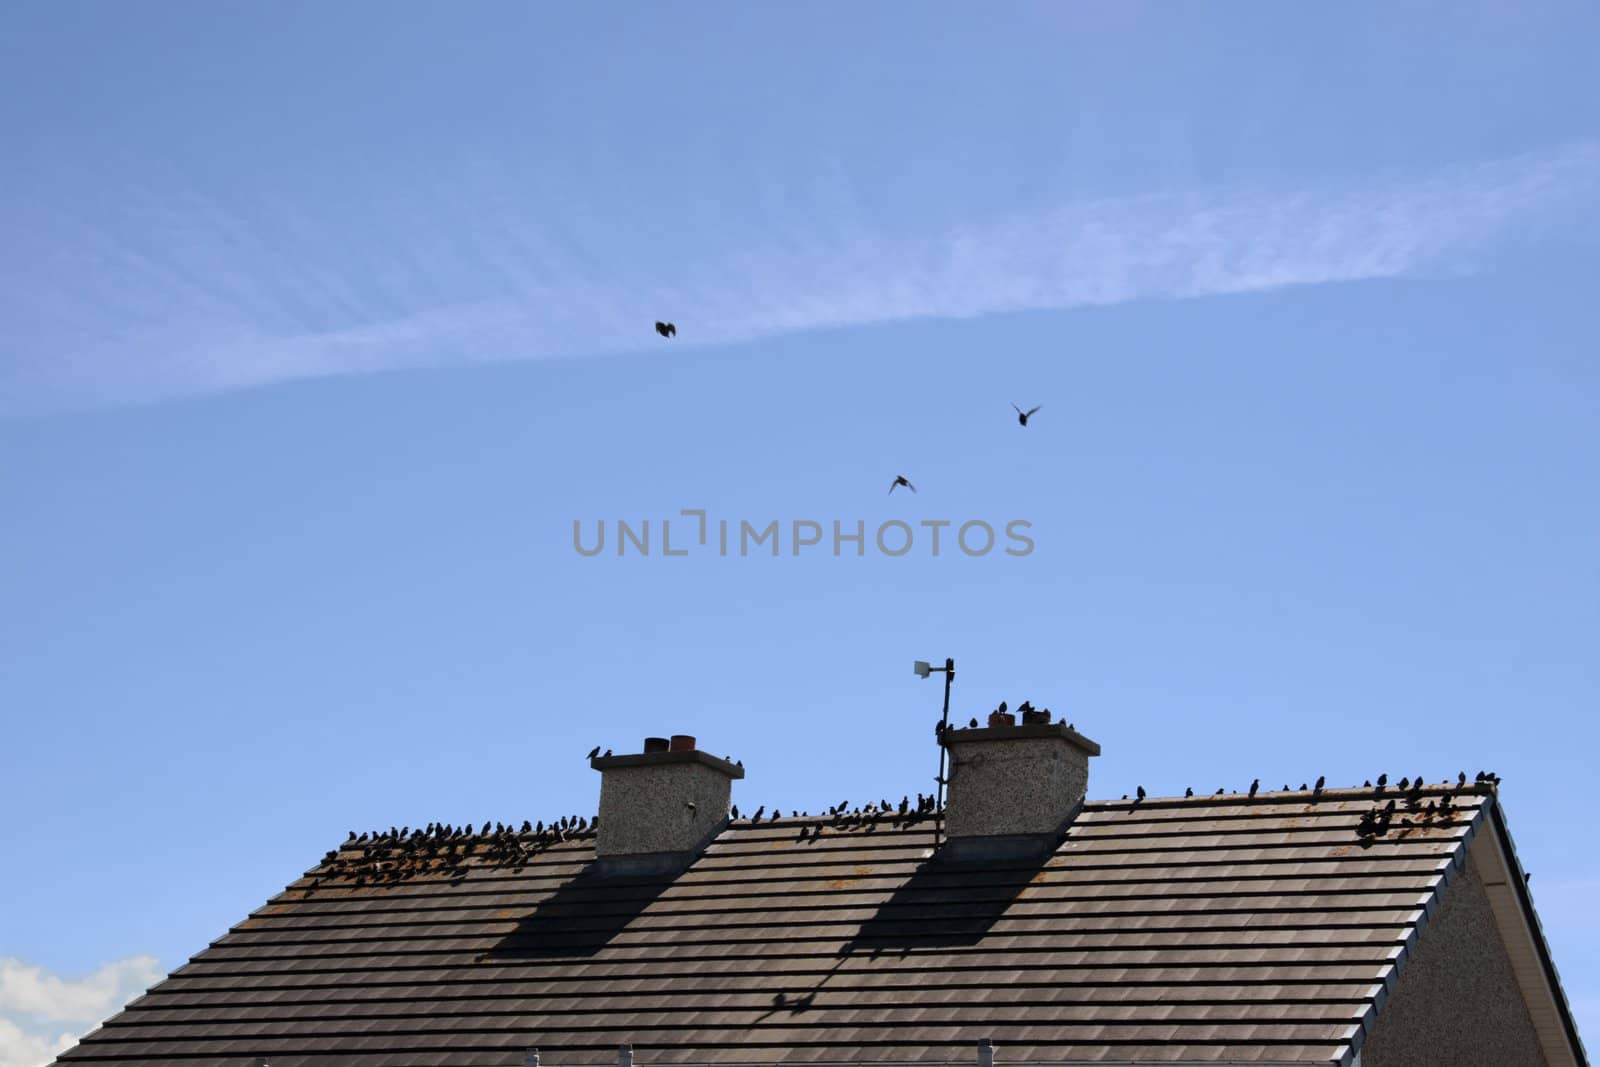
(1212,929)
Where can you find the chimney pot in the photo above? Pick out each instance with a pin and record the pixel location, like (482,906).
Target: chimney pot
(656,744)
(681,743)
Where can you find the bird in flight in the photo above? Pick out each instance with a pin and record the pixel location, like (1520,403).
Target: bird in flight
(899,480)
(1023,416)
(667,329)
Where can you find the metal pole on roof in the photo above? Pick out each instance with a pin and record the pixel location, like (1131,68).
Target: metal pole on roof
(531,1059)
(625,1056)
(986,1053)
(922,670)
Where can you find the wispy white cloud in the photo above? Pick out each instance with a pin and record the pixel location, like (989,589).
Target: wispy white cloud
(195,297)
(41,1013)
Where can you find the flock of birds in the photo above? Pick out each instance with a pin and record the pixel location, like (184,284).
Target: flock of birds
(841,818)
(1385,814)
(1026,709)
(667,329)
(385,857)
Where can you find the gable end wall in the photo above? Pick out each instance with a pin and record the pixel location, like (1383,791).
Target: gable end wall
(1457,1000)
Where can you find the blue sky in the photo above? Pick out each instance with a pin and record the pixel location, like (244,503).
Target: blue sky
(320,327)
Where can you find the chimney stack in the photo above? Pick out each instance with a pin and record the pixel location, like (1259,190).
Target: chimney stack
(660,808)
(1013,789)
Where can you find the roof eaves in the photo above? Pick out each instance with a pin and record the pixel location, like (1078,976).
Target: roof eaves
(1519,886)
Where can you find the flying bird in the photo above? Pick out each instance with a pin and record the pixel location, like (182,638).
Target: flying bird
(1023,416)
(899,480)
(666,329)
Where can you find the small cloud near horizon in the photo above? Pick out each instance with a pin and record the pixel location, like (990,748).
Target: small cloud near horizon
(43,1014)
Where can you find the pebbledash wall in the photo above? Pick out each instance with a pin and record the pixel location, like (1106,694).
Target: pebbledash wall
(1457,1001)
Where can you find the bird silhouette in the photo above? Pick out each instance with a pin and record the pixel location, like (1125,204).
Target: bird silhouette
(1140,792)
(899,480)
(1255,785)
(973,725)
(666,329)
(734,811)
(1321,781)
(593,752)
(1023,416)
(1189,792)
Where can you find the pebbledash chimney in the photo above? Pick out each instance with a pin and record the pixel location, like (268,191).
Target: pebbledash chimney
(1013,789)
(661,807)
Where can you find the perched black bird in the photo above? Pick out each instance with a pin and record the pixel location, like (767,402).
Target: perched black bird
(1461,778)
(734,811)
(1023,416)
(1383,780)
(899,480)
(1189,792)
(1321,781)
(1220,791)
(759,812)
(974,723)
(1255,785)
(593,752)
(1405,783)
(1302,787)
(666,329)
(1367,784)
(1140,791)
